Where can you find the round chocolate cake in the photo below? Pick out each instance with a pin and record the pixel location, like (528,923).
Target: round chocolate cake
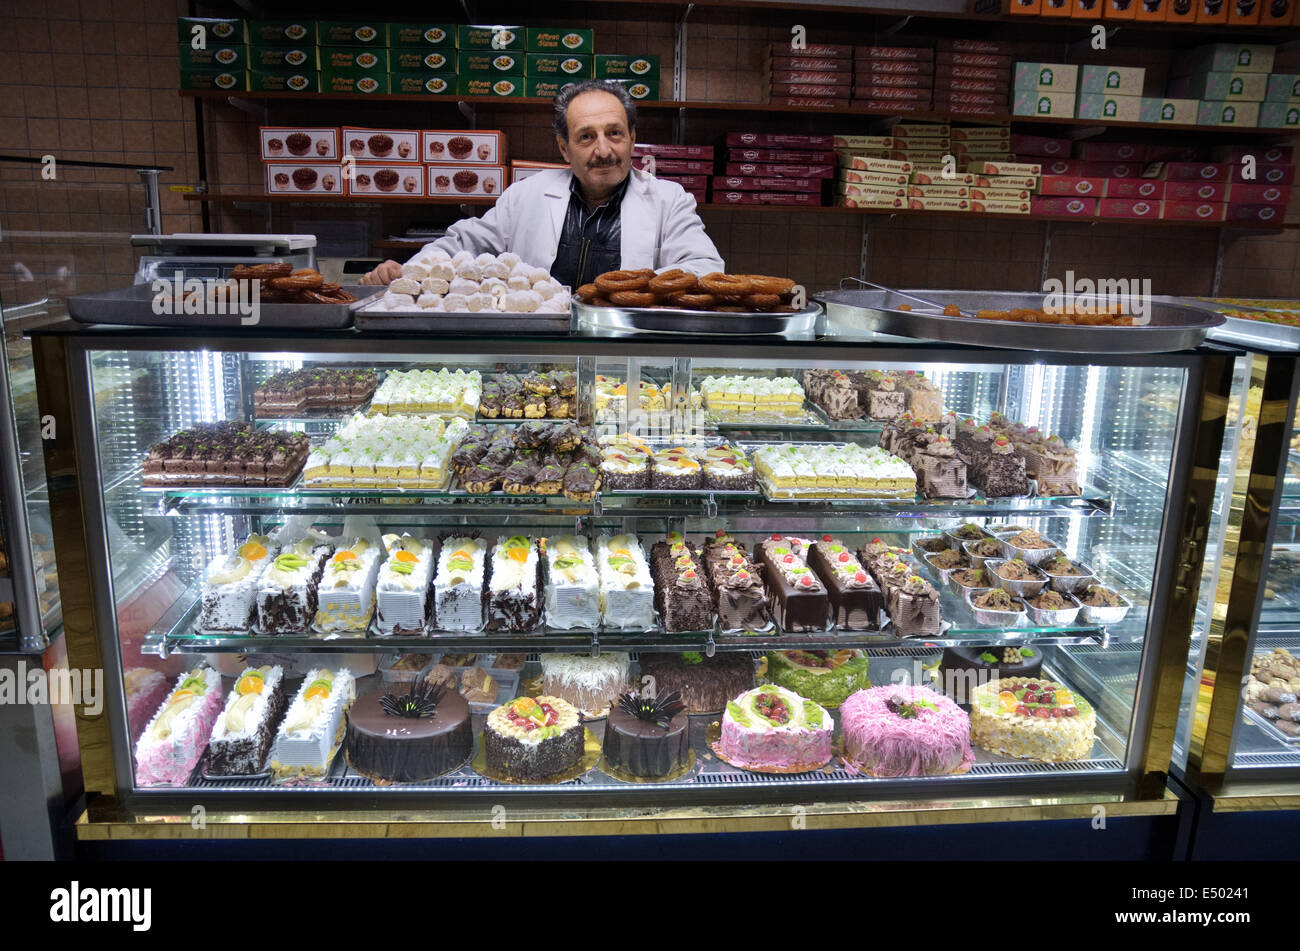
(648,737)
(409,738)
(705,684)
(965,668)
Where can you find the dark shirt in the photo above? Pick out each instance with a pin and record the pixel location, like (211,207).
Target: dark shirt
(591,241)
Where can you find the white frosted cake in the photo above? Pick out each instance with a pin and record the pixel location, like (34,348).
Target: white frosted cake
(513,601)
(458,585)
(589,683)
(572,585)
(245,729)
(171,744)
(626,589)
(287,593)
(347,588)
(313,728)
(403,587)
(230,589)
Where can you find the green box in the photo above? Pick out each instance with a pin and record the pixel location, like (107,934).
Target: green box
(1106,106)
(1112,80)
(545,87)
(226,80)
(1281,87)
(440,36)
(1176,111)
(639,89)
(282,32)
(284,80)
(343,58)
(1227,58)
(216,56)
(348,33)
(1032,102)
(215,29)
(489,63)
(489,37)
(282,58)
(412,60)
(557,65)
(1279,115)
(428,84)
(618,66)
(559,39)
(1234,113)
(1046,77)
(354,80)
(1219,86)
(507,87)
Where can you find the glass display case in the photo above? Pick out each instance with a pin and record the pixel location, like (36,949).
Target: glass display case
(198,537)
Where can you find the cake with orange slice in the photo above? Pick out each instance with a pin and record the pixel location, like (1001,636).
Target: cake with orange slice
(288,590)
(312,731)
(229,595)
(513,601)
(458,588)
(533,738)
(171,744)
(1032,718)
(346,594)
(402,599)
(242,736)
(572,584)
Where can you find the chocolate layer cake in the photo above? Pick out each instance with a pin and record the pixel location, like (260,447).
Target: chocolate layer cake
(799,599)
(228,453)
(681,596)
(879,395)
(834,391)
(856,600)
(1004,471)
(941,471)
(962,669)
(294,392)
(409,738)
(648,737)
(705,684)
(533,738)
(914,608)
(739,595)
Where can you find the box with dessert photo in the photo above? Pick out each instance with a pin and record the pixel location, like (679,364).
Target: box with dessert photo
(465,180)
(461,146)
(286,178)
(383,145)
(373,178)
(281,143)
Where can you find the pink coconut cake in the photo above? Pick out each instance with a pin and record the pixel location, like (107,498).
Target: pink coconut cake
(900,730)
(170,746)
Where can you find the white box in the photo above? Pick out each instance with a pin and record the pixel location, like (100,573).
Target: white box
(290,178)
(452,180)
(323,144)
(391,179)
(381,145)
(462,146)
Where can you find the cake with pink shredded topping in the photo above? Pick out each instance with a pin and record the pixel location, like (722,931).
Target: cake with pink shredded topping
(176,737)
(773,730)
(145,689)
(901,730)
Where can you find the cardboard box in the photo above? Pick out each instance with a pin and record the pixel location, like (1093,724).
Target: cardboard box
(1017,169)
(871,178)
(1085,9)
(978,60)
(519,170)
(1029,8)
(1151,10)
(352,81)
(227,80)
(399,146)
(1040,145)
(748,183)
(1191,171)
(296,143)
(1180,11)
(762,140)
(1228,113)
(340,59)
(1266,175)
(774,155)
(1120,9)
(639,89)
(880,69)
(1057,8)
(1148,188)
(920,131)
(441,36)
(1211,11)
(1174,111)
(1282,87)
(282,33)
(1196,191)
(379,178)
(422,84)
(1250,87)
(688,182)
(545,87)
(1245,12)
(907,53)
(821,64)
(490,37)
(1172,153)
(1112,80)
(999,134)
(862,164)
(292,178)
(1128,208)
(283,57)
(489,63)
(559,40)
(618,66)
(982,193)
(765,198)
(683,151)
(872,191)
(1112,108)
(859,143)
(1260,213)
(1090,169)
(777,171)
(505,87)
(463,146)
(349,33)
(939,191)
(1254,194)
(776,90)
(1000,206)
(936,176)
(1279,115)
(1226,58)
(211,30)
(819,50)
(1109,151)
(284,80)
(882,204)
(417,59)
(1075,207)
(216,56)
(1032,103)
(939,204)
(1279,13)
(687,166)
(1063,167)
(1006,181)
(1071,185)
(1194,210)
(1046,77)
(453,180)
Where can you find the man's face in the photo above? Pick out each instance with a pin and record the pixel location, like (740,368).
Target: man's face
(599,149)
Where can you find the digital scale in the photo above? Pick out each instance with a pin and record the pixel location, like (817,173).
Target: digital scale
(216,255)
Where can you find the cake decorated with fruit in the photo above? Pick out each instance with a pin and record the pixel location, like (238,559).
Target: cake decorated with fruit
(229,595)
(1032,718)
(409,737)
(962,669)
(312,730)
(900,730)
(172,742)
(533,738)
(774,730)
(245,729)
(828,677)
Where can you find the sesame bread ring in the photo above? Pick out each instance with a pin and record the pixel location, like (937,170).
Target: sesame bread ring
(600,302)
(730,309)
(692,301)
(588,291)
(633,299)
(727,284)
(674,281)
(764,284)
(303,280)
(613,282)
(762,301)
(265,271)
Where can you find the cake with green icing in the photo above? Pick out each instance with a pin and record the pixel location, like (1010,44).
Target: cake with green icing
(828,677)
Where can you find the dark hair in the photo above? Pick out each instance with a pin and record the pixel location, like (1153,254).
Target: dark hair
(560,123)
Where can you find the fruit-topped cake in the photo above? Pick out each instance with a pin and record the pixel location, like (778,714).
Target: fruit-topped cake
(312,730)
(1033,719)
(572,584)
(175,738)
(962,669)
(1004,471)
(514,603)
(288,592)
(940,470)
(705,684)
(900,730)
(857,603)
(626,588)
(245,729)
(347,587)
(403,585)
(914,608)
(824,676)
(230,590)
(589,683)
(409,737)
(533,738)
(800,602)
(727,467)
(681,595)
(458,586)
(648,735)
(773,730)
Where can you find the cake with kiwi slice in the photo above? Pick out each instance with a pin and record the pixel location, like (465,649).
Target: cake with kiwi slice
(312,730)
(245,730)
(172,742)
(774,730)
(962,669)
(828,677)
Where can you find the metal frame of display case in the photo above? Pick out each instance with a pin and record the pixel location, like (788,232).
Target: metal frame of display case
(62,354)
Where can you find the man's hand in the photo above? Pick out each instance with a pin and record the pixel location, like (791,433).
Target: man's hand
(386,273)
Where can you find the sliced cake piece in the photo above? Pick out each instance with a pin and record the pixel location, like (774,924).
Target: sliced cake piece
(245,729)
(287,595)
(459,589)
(313,728)
(171,744)
(229,594)
(403,585)
(347,587)
(626,589)
(572,584)
(513,600)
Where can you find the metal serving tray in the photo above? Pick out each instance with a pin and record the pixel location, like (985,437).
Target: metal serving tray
(620,321)
(441,322)
(1173,324)
(134,305)
(1241,330)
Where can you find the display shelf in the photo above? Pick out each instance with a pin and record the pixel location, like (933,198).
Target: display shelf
(238,197)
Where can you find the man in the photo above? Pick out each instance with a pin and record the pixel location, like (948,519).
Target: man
(598,215)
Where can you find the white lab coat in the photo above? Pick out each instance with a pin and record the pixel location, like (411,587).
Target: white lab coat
(660,228)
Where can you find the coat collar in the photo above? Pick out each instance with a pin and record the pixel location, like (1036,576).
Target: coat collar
(558,197)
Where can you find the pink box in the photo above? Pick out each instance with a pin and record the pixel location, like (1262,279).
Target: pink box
(308,145)
(381,145)
(1148,188)
(689,182)
(1265,154)
(380,178)
(1194,171)
(1112,169)
(779,155)
(699,194)
(1256,194)
(1266,175)
(1109,151)
(674,151)
(1171,153)
(291,178)
(764,198)
(780,171)
(1194,210)
(748,183)
(1071,185)
(465,180)
(463,146)
(682,166)
(1238,212)
(1043,145)
(762,140)
(1128,208)
(1055,205)
(1196,191)
(1062,166)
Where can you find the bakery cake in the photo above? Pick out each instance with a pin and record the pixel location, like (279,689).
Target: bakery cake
(145,690)
(901,730)
(924,399)
(834,391)
(402,588)
(513,603)
(1032,718)
(409,737)
(288,594)
(572,585)
(774,730)
(705,684)
(799,599)
(647,736)
(459,590)
(245,729)
(681,595)
(626,589)
(312,731)
(589,683)
(346,597)
(739,595)
(533,738)
(172,742)
(857,603)
(827,677)
(962,669)
(940,471)
(879,395)
(229,595)
(1003,471)
(914,607)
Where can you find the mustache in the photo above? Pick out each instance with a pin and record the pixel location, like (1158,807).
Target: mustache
(603,163)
